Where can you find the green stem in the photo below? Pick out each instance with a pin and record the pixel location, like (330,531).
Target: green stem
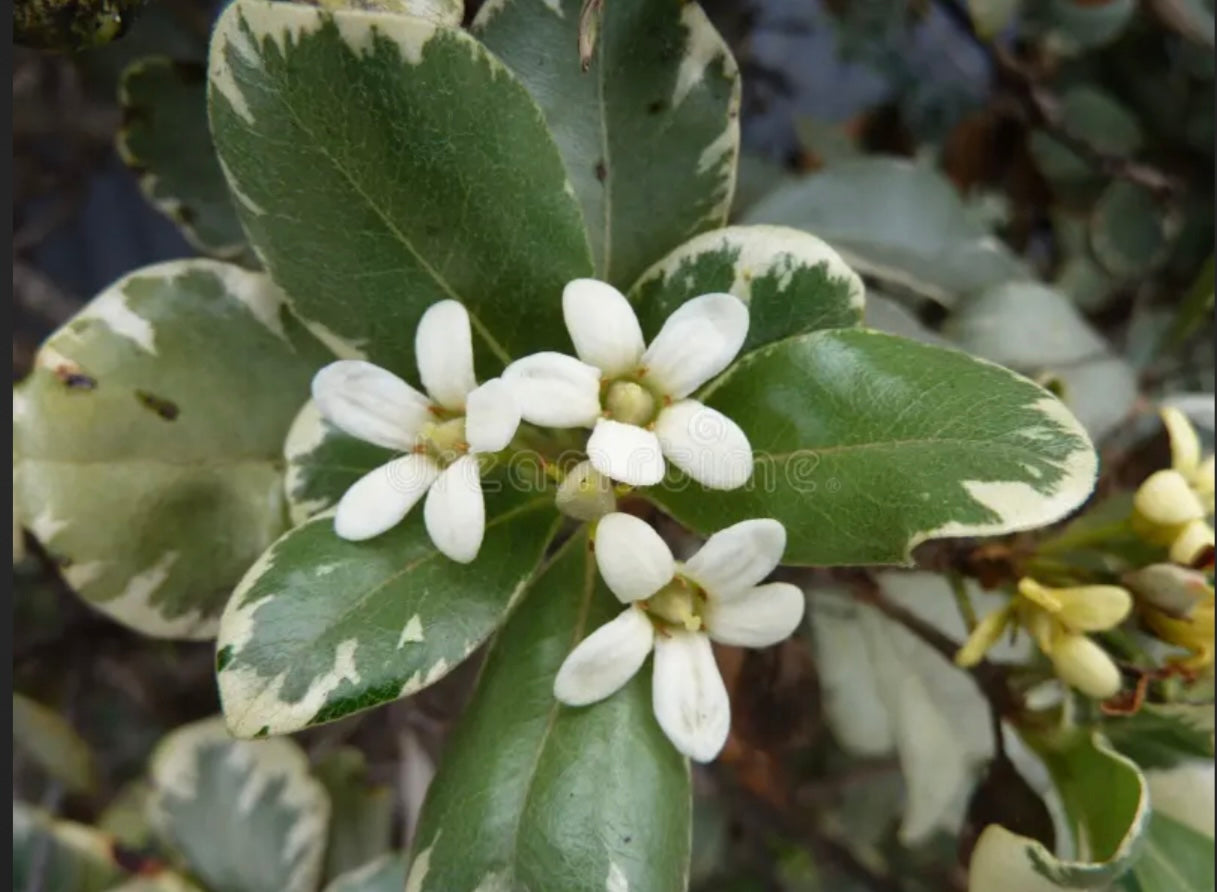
(962,600)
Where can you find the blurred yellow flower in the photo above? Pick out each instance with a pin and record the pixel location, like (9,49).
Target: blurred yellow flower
(1177,605)
(1171,506)
(1058,620)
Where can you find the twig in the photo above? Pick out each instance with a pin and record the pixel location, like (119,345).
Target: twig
(1040,108)
(989,677)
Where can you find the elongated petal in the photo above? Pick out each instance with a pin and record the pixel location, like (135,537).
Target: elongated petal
(634,562)
(626,453)
(986,634)
(688,695)
(705,444)
(736,558)
(605,659)
(602,326)
(759,617)
(455,511)
(697,342)
(1083,665)
(378,500)
(1093,608)
(443,345)
(370,403)
(492,416)
(1185,443)
(1166,499)
(1170,588)
(555,390)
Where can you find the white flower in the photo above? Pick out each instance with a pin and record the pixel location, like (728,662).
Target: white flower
(442,435)
(634,397)
(676,610)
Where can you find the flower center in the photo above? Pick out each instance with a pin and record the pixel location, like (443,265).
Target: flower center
(630,403)
(445,440)
(679,603)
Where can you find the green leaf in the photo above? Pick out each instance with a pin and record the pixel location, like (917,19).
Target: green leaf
(370,194)
(897,221)
(1106,800)
(165,142)
(1095,117)
(867,444)
(1071,26)
(147,442)
(323,462)
(43,736)
(68,857)
(245,816)
(535,795)
(1129,233)
(991,17)
(362,813)
(649,133)
(792,282)
(1158,737)
(385,874)
(1173,857)
(321,627)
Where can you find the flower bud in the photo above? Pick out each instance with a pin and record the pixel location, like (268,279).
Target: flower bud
(1185,444)
(1192,544)
(1166,499)
(1093,608)
(585,493)
(1170,588)
(1085,666)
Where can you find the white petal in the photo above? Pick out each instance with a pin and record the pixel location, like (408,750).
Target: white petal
(688,695)
(626,453)
(633,560)
(379,499)
(491,416)
(605,659)
(555,390)
(602,326)
(705,444)
(735,559)
(455,511)
(370,403)
(443,345)
(759,617)
(697,342)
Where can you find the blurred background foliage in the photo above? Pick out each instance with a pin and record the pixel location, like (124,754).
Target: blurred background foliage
(1030,180)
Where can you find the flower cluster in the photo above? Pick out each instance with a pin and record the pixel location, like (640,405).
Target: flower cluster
(635,399)
(1172,506)
(1059,619)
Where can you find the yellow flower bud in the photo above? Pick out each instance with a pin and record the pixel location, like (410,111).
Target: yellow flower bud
(986,634)
(1203,484)
(1193,633)
(1191,543)
(1085,666)
(1165,499)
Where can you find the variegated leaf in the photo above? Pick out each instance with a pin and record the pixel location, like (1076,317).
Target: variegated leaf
(68,857)
(148,440)
(322,627)
(244,816)
(532,794)
(442,12)
(164,140)
(865,444)
(323,462)
(369,194)
(1106,799)
(649,133)
(792,282)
